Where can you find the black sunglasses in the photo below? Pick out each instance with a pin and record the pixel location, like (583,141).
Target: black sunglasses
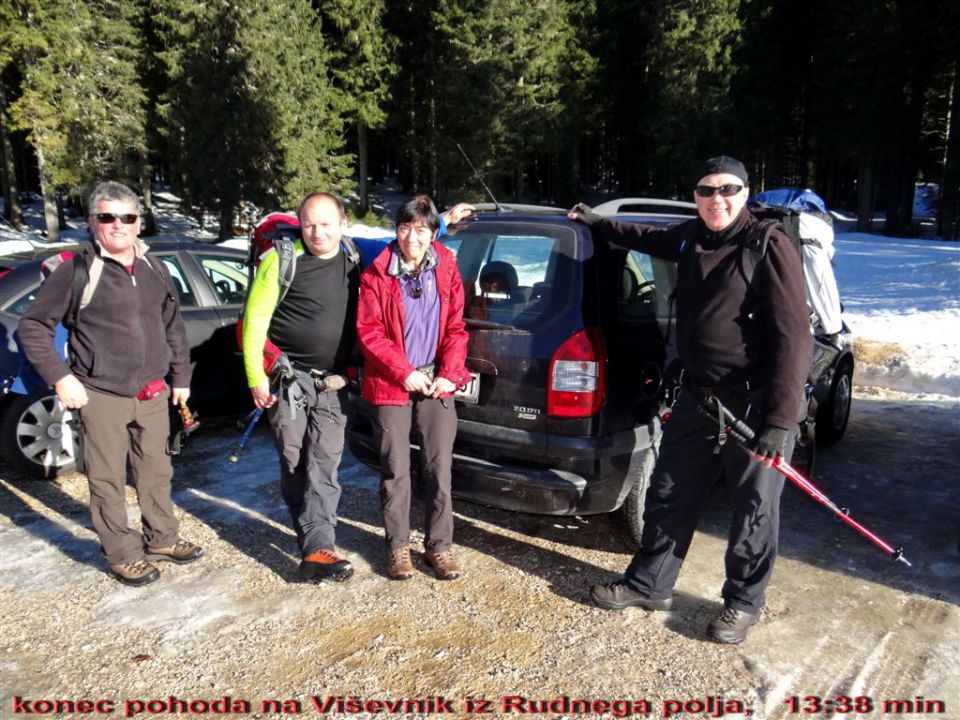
(414,285)
(706,191)
(125,218)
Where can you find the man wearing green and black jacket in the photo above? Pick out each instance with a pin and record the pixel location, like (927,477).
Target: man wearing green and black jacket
(314,325)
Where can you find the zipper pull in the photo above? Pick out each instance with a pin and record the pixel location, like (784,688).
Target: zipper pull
(133,278)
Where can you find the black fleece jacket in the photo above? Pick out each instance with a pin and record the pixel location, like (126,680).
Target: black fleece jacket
(129,334)
(726,332)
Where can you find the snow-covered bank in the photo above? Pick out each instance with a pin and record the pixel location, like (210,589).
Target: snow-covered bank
(902,300)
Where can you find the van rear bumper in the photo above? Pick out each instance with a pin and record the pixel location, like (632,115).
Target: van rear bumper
(583,476)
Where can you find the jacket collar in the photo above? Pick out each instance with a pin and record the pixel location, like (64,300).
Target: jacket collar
(397,266)
(140,249)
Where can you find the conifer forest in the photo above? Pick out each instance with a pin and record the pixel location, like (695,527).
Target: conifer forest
(240,104)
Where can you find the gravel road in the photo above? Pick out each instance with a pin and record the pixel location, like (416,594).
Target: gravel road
(234,633)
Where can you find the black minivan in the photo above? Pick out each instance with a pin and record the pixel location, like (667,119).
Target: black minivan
(567,350)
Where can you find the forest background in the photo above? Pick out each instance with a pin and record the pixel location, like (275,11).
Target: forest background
(243,106)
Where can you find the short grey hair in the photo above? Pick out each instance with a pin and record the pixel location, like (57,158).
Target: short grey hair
(109,191)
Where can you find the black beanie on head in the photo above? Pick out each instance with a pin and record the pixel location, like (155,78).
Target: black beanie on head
(723,164)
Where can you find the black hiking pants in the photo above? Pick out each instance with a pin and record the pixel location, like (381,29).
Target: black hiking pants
(686,471)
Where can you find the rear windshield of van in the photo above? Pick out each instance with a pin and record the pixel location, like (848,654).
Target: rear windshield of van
(515,273)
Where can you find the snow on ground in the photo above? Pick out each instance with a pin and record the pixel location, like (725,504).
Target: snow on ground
(904,294)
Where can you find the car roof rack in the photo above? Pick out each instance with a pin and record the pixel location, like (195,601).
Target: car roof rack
(647,206)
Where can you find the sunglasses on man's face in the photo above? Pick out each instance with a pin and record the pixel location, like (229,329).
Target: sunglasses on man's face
(108,218)
(706,191)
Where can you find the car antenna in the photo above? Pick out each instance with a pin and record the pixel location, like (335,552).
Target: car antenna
(480,178)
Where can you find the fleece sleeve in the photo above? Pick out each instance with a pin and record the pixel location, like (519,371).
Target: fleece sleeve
(788,332)
(39,323)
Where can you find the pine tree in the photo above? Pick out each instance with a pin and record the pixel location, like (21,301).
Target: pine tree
(491,76)
(81,102)
(688,115)
(363,61)
(250,113)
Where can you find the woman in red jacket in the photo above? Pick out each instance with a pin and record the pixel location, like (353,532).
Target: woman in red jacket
(410,325)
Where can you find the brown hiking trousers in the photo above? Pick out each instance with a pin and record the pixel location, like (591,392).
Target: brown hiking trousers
(117,429)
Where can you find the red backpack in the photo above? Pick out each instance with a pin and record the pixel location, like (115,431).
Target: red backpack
(276,231)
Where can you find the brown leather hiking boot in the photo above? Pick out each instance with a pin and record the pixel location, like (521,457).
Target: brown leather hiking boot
(182,552)
(136,573)
(399,566)
(443,564)
(324,565)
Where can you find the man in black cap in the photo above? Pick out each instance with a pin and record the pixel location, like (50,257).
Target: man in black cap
(746,342)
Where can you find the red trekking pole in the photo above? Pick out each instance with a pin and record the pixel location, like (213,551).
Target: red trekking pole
(744,435)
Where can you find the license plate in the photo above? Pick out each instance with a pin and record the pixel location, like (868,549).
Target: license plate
(471,393)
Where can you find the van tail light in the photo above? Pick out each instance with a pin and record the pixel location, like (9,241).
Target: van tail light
(576,383)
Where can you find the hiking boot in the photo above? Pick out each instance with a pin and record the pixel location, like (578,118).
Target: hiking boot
(324,565)
(618,595)
(182,552)
(136,573)
(399,566)
(443,564)
(731,626)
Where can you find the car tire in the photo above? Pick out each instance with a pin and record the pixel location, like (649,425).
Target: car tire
(32,433)
(834,412)
(629,518)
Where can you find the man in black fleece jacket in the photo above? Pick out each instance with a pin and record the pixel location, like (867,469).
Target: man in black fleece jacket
(750,345)
(128,337)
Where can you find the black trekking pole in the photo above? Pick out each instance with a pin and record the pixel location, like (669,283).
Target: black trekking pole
(744,435)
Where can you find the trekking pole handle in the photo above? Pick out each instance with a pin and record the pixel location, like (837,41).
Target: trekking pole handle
(734,425)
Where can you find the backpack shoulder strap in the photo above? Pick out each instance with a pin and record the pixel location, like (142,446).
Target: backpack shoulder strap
(350,249)
(754,247)
(286,264)
(81,290)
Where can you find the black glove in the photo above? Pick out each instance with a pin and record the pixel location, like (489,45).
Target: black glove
(585,214)
(771,443)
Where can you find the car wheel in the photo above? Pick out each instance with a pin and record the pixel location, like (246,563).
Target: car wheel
(833,414)
(629,518)
(36,438)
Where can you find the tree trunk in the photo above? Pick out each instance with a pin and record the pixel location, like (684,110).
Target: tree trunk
(49,197)
(362,167)
(432,144)
(949,215)
(148,226)
(226,223)
(61,216)
(865,196)
(8,172)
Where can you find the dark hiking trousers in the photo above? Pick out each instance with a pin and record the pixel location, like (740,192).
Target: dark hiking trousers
(310,446)
(685,473)
(436,423)
(116,429)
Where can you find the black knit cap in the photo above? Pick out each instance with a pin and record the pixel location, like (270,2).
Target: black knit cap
(723,164)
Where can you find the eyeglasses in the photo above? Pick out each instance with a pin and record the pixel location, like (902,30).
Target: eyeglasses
(414,285)
(125,218)
(706,191)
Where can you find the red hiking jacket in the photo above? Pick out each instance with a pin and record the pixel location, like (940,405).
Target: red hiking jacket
(380,329)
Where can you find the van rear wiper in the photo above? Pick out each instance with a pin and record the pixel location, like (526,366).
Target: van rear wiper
(487,324)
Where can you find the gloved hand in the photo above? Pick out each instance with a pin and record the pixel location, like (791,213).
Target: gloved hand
(770,445)
(585,214)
